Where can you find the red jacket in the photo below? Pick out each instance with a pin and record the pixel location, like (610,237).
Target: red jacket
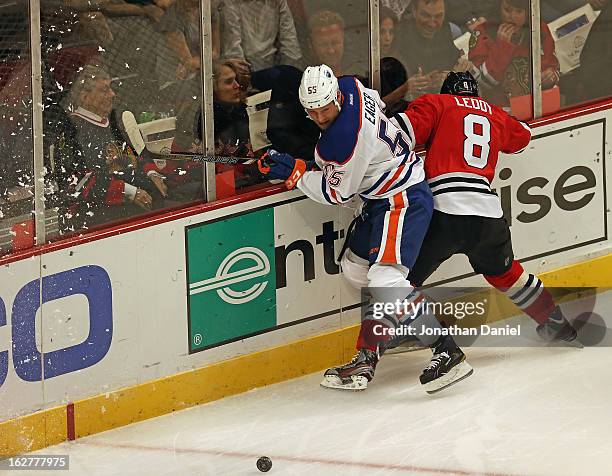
(505,67)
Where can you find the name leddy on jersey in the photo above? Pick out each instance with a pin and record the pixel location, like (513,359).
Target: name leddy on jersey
(473,103)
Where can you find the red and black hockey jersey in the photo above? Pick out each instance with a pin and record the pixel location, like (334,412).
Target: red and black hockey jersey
(463,137)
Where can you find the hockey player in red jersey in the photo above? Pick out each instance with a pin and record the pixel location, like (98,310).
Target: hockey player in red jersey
(463,136)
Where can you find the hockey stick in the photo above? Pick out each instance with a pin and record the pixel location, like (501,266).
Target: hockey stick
(216,159)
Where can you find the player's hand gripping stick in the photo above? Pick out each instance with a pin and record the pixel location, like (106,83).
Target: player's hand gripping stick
(277,165)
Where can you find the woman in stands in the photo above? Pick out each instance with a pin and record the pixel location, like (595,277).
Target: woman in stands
(182,180)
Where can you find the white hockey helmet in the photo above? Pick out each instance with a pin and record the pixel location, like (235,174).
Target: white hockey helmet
(319,87)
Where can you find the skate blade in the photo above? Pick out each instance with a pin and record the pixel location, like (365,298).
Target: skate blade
(457,373)
(357,383)
(574,344)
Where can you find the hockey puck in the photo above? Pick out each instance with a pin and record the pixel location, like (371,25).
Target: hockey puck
(264,464)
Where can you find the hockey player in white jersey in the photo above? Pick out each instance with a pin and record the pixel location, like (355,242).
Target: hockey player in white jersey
(361,153)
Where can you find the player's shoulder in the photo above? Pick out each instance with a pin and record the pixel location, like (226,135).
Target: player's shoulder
(338,142)
(442,103)
(348,84)
(425,100)
(429,97)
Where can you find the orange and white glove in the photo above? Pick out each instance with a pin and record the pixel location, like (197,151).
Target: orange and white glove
(278,165)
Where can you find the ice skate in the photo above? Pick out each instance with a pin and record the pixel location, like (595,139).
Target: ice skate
(558,329)
(355,375)
(447,367)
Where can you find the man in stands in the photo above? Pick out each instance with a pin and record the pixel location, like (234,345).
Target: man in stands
(96,164)
(426,42)
(262,32)
(326,41)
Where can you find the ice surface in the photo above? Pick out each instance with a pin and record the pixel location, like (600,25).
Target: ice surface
(525,411)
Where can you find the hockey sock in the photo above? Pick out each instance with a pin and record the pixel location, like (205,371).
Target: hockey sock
(369,337)
(375,326)
(526,291)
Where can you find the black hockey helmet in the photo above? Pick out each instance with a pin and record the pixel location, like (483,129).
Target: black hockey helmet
(460,84)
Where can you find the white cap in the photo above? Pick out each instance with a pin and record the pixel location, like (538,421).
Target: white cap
(319,87)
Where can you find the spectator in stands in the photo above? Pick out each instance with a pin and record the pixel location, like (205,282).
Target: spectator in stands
(15,103)
(72,33)
(298,12)
(180,181)
(123,8)
(180,25)
(262,32)
(427,43)
(499,48)
(393,85)
(393,76)
(72,22)
(232,137)
(388,23)
(16,171)
(231,119)
(216,7)
(137,48)
(326,40)
(326,37)
(89,20)
(97,167)
(288,128)
(596,57)
(230,86)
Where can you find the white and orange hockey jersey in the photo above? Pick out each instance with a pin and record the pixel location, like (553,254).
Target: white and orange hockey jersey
(362,152)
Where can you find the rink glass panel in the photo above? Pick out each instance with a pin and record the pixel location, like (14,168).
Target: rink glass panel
(121,87)
(582,34)
(151,54)
(336,34)
(430,38)
(16,165)
(263,50)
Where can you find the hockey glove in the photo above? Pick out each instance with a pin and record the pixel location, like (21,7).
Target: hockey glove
(277,165)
